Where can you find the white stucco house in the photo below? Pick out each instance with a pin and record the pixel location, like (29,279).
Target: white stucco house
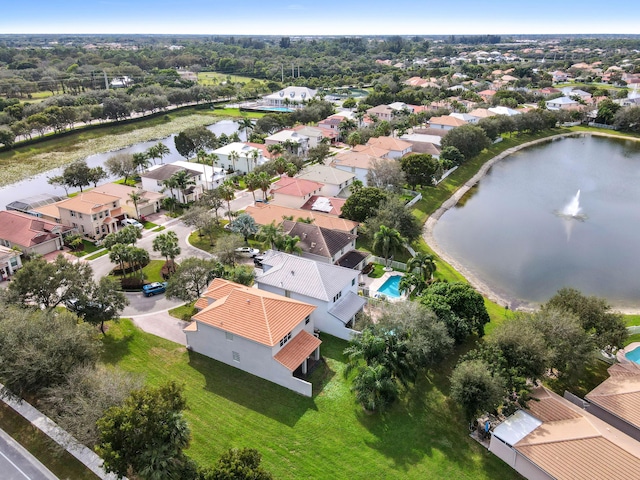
(265,334)
(240,157)
(562,103)
(333,180)
(332,289)
(10,261)
(296,142)
(290,97)
(357,163)
(153,180)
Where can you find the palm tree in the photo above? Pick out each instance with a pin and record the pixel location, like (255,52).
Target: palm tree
(280,165)
(386,241)
(345,127)
(425,263)
(245,124)
(170,183)
(138,258)
(270,234)
(168,246)
(412,284)
(201,156)
(252,182)
(265,183)
(255,155)
(182,182)
(213,158)
(374,387)
(228,193)
(135,197)
(275,149)
(140,160)
(234,156)
(244,225)
(288,244)
(159,150)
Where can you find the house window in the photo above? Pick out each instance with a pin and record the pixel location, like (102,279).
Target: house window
(338,295)
(229,336)
(72,213)
(98,230)
(307,320)
(285,339)
(94,217)
(287,293)
(353,282)
(114,204)
(236,357)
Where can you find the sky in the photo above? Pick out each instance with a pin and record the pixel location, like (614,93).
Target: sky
(317,17)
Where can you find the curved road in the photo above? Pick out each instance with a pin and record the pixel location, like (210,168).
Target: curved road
(16,463)
(151,313)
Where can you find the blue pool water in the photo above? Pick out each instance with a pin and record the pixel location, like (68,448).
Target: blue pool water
(277,109)
(634,355)
(390,287)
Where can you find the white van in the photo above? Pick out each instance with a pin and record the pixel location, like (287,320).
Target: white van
(131,221)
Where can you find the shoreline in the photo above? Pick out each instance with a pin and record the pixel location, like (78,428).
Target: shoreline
(515,304)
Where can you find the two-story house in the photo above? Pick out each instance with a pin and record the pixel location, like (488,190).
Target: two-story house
(239,157)
(320,244)
(332,289)
(333,181)
(263,333)
(10,261)
(154,180)
(31,234)
(294,192)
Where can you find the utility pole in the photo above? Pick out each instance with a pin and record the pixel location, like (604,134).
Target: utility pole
(282,73)
(293,72)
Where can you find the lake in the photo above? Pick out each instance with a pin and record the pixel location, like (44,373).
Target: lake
(38,184)
(507,230)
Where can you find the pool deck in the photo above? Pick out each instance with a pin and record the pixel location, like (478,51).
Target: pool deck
(621,354)
(376,283)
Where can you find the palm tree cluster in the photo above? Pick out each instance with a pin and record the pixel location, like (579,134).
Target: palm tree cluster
(420,270)
(274,236)
(381,358)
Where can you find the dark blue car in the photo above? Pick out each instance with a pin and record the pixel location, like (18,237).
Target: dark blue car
(154,288)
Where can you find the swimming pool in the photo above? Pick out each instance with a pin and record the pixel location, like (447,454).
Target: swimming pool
(277,109)
(634,355)
(390,287)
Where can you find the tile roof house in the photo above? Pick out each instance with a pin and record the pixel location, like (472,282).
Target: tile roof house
(10,261)
(264,214)
(332,289)
(92,213)
(150,202)
(354,162)
(397,148)
(617,399)
(265,334)
(445,122)
(557,440)
(294,192)
(314,134)
(318,243)
(383,112)
(153,180)
(562,103)
(330,205)
(297,142)
(371,150)
(30,234)
(333,180)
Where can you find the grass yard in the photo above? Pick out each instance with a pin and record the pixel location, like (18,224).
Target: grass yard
(184,312)
(98,255)
(152,271)
(50,454)
(88,249)
(324,437)
(215,78)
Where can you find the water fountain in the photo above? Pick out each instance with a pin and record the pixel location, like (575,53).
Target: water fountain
(572,209)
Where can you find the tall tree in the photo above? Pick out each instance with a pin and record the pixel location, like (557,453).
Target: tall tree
(228,193)
(191,278)
(182,181)
(96,174)
(140,160)
(421,169)
(135,197)
(425,263)
(362,203)
(159,150)
(468,139)
(147,435)
(387,241)
(121,165)
(244,225)
(475,388)
(245,124)
(100,302)
(48,284)
(168,246)
(270,233)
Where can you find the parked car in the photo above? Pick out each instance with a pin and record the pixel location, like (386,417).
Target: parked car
(154,288)
(248,251)
(131,221)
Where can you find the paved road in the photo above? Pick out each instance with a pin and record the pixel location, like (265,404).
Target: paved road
(16,463)
(151,313)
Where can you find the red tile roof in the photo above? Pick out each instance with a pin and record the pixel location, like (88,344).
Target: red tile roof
(26,230)
(296,187)
(257,315)
(297,350)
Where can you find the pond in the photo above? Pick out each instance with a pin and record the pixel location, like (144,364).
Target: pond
(38,184)
(516,232)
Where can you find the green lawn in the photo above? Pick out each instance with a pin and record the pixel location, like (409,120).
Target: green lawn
(632,320)
(183,312)
(53,456)
(149,225)
(88,249)
(98,255)
(215,78)
(324,437)
(152,271)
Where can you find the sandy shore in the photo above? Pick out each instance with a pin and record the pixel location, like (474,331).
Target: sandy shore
(492,294)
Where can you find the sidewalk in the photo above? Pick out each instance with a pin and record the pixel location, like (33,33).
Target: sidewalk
(43,423)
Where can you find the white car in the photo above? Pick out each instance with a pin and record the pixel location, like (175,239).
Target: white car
(131,221)
(247,251)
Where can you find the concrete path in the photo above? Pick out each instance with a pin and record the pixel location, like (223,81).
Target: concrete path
(43,423)
(16,463)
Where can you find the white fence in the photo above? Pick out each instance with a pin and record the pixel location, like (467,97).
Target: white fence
(392,263)
(417,196)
